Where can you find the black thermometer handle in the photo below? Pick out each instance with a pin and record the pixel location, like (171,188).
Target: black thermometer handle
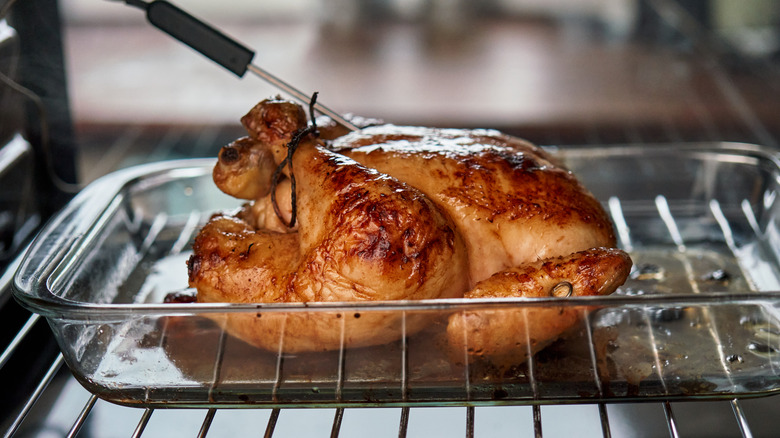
(220,48)
(200,36)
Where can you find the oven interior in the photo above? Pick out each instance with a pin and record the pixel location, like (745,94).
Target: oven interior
(89,88)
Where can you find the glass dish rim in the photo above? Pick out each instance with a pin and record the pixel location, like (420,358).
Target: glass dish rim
(34,292)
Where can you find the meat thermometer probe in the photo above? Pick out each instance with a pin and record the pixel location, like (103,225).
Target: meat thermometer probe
(220,48)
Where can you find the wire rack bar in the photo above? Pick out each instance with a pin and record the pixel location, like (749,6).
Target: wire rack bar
(604,417)
(466,369)
(17,340)
(337,418)
(404,426)
(404,360)
(279,361)
(671,423)
(158,224)
(342,361)
(530,362)
(7,276)
(217,359)
(206,425)
(470,422)
(74,430)
(537,413)
(592,350)
(272,420)
(139,429)
(36,394)
(744,428)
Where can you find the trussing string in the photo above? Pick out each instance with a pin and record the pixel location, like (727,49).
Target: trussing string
(292,146)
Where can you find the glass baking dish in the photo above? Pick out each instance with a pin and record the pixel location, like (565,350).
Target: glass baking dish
(698,317)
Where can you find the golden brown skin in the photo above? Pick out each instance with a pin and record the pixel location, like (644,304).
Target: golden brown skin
(274,120)
(244,170)
(515,223)
(510,336)
(512,204)
(245,166)
(262,216)
(361,236)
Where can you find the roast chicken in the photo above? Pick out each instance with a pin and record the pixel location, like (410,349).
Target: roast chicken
(399,213)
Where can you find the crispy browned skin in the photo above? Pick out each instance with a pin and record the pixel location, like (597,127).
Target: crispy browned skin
(244,170)
(515,223)
(274,120)
(245,166)
(512,204)
(509,336)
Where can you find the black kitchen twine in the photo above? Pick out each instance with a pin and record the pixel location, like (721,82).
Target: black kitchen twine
(292,146)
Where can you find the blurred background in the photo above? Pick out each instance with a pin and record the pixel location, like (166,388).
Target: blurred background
(571,71)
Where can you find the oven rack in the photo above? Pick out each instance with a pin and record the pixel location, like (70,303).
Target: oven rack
(614,207)
(273,417)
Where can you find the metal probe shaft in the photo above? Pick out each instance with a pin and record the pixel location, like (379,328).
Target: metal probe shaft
(298,94)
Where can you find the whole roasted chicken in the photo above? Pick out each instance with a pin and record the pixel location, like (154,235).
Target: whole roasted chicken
(399,213)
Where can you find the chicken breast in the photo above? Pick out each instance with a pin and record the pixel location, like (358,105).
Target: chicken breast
(512,204)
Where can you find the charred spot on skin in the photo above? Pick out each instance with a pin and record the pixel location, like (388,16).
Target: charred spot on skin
(229,155)
(180,297)
(193,266)
(518,161)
